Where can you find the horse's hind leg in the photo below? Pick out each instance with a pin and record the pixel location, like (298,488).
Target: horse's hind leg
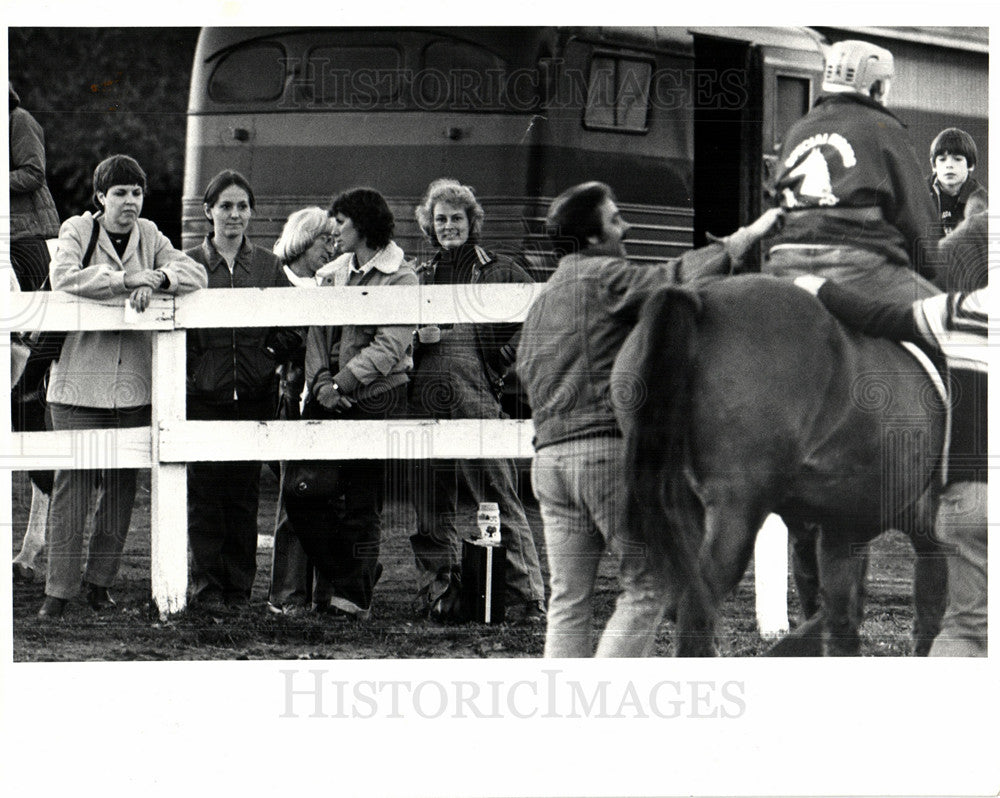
(842,568)
(730,531)
(805,568)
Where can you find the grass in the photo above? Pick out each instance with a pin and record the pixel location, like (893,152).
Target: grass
(134,631)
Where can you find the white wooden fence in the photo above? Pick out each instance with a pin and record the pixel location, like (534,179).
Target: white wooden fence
(173,441)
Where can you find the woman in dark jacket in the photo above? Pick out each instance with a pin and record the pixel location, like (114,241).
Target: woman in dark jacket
(231,375)
(461,376)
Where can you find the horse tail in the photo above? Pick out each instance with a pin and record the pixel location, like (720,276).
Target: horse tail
(664,512)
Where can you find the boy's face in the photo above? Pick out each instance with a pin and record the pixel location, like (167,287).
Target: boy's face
(951,171)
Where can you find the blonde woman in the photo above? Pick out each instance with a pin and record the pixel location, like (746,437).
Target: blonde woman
(305,245)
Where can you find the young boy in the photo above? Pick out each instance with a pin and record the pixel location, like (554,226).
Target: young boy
(953,158)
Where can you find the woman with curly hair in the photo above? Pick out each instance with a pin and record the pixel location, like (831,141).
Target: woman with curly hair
(461,376)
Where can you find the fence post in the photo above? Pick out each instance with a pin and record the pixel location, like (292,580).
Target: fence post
(168,481)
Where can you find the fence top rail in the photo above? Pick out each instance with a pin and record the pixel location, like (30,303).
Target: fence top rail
(266,307)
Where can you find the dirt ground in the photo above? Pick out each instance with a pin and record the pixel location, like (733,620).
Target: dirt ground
(134,632)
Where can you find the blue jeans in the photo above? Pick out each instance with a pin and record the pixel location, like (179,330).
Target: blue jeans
(70,504)
(961,524)
(580,487)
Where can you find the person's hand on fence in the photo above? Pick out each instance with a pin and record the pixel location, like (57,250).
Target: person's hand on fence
(140,297)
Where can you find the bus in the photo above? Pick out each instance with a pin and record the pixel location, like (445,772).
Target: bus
(682,122)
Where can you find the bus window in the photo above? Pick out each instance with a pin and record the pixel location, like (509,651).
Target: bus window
(618,94)
(460,76)
(252,73)
(355,77)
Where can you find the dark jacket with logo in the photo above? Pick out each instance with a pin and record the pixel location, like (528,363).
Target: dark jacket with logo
(223,363)
(849,177)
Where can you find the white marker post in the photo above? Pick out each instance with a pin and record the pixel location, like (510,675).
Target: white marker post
(770,568)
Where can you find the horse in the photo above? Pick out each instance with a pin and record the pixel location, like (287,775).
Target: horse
(746,397)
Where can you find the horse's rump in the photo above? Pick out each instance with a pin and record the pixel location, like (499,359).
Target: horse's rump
(753,389)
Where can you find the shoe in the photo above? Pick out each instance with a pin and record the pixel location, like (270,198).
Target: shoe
(23,574)
(529,613)
(52,608)
(99,599)
(286,609)
(447,608)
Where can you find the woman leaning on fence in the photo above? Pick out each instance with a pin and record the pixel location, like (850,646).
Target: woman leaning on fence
(102,379)
(231,375)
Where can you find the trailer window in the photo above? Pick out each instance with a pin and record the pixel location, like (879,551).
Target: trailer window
(618,94)
(791,104)
(355,77)
(252,73)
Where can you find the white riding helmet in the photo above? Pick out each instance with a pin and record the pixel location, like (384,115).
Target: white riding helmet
(855,66)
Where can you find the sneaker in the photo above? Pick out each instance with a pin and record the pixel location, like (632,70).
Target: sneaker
(286,609)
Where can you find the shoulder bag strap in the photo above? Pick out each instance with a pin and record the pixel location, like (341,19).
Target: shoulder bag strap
(87,254)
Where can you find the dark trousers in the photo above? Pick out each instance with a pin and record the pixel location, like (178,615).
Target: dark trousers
(70,513)
(222,509)
(341,531)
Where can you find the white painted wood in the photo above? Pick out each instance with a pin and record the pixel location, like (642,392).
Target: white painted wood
(770,567)
(57,310)
(198,441)
(74,449)
(234,307)
(168,480)
(34,532)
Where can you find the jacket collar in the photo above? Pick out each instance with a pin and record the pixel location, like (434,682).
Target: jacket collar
(466,261)
(213,259)
(855,97)
(387,260)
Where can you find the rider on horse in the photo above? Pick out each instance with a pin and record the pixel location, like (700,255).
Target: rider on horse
(856,201)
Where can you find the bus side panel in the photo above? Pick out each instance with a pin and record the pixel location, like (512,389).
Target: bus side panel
(294,160)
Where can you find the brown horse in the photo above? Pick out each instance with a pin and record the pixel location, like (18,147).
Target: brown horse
(755,400)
